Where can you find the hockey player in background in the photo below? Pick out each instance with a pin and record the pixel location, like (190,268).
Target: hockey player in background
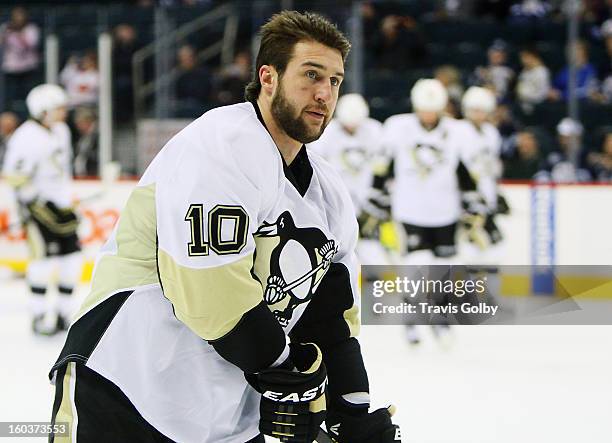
(481,145)
(38,166)
(425,196)
(352,144)
(427,173)
(233,260)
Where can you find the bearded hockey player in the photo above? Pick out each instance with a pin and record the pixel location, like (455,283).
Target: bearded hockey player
(38,166)
(233,260)
(481,145)
(352,144)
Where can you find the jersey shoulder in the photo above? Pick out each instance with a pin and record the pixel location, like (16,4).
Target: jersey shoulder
(28,133)
(400,120)
(372,127)
(226,140)
(334,190)
(62,131)
(328,175)
(372,123)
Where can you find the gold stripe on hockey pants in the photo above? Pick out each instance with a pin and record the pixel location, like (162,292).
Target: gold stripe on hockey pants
(67,411)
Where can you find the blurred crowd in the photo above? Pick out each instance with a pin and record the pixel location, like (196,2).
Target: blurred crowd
(400,40)
(396,40)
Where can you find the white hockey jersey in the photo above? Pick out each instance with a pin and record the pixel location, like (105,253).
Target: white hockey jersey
(38,163)
(216,224)
(480,152)
(355,156)
(425,191)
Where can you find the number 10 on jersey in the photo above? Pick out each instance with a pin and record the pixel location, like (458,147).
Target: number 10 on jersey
(227,229)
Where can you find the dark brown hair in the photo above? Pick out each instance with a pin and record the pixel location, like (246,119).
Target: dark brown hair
(282,32)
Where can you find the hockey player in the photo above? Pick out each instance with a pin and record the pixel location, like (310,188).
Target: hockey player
(481,145)
(427,172)
(233,258)
(352,144)
(425,197)
(37,165)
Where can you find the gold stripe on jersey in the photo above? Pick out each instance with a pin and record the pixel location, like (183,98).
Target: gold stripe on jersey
(16,180)
(134,262)
(64,413)
(43,214)
(210,301)
(351,316)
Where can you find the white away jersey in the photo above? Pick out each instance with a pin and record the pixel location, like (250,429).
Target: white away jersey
(216,224)
(37,163)
(425,190)
(480,148)
(355,156)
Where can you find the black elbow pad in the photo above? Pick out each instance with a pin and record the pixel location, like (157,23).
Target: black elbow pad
(256,341)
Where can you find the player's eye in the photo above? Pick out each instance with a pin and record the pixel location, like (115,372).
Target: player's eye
(311,75)
(335,81)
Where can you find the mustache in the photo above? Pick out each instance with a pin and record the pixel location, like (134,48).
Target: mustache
(318,108)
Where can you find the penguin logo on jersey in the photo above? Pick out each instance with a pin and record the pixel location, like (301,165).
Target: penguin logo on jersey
(426,157)
(291,263)
(354,159)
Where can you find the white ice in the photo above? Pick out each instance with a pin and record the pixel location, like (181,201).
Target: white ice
(493,384)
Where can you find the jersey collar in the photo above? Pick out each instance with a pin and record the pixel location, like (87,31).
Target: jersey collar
(299,173)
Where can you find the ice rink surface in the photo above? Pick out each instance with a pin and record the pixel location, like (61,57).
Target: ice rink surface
(493,384)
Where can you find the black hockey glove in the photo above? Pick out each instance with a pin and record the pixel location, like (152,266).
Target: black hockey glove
(376,210)
(293,402)
(502,205)
(495,235)
(373,427)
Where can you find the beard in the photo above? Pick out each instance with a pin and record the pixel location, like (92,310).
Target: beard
(291,121)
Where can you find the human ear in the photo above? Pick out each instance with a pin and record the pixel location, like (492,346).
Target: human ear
(267,78)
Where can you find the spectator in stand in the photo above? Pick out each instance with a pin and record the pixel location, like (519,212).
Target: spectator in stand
(450,77)
(371,23)
(81,79)
(19,40)
(605,68)
(124,46)
(8,123)
(497,75)
(600,163)
(529,10)
(586,76)
(233,79)
(525,159)
(558,166)
(399,44)
(506,125)
(86,145)
(533,84)
(193,84)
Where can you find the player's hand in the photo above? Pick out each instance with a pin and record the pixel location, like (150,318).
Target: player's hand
(373,427)
(473,203)
(502,205)
(375,210)
(293,402)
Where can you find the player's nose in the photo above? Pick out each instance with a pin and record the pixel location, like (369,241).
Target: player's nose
(323,93)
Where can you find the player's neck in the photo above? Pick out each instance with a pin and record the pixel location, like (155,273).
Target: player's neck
(287,146)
